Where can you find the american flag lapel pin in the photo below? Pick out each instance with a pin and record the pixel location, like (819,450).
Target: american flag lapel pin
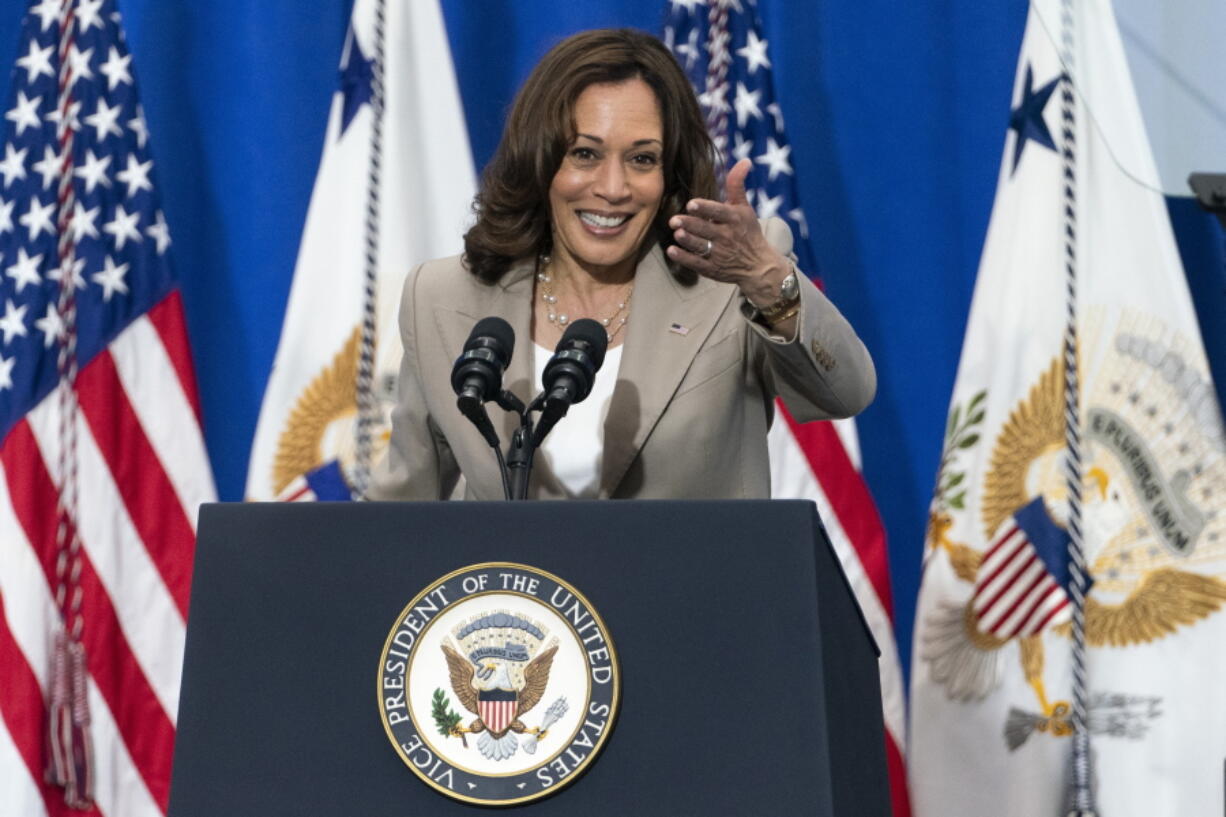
(678,329)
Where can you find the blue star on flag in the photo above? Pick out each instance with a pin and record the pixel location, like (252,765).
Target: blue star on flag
(1027,118)
(356,76)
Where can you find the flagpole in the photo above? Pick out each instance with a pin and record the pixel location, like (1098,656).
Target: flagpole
(367,404)
(1082,793)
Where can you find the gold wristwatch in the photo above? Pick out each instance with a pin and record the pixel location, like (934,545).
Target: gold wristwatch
(786,305)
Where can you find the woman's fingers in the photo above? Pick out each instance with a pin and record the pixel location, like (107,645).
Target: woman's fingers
(734,185)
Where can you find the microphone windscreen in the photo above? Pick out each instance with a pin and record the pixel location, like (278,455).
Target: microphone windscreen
(496,329)
(589,332)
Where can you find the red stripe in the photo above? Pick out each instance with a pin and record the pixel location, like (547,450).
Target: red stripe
(1008,563)
(1052,614)
(848,495)
(24,714)
(1027,626)
(1027,594)
(167,319)
(146,730)
(898,778)
(148,495)
(1022,566)
(984,580)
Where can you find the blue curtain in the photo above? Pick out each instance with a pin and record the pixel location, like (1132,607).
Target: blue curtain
(896,112)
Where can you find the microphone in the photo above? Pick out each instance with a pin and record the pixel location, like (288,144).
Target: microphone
(570,373)
(477,373)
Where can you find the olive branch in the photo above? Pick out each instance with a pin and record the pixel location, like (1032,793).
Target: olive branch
(960,434)
(445,718)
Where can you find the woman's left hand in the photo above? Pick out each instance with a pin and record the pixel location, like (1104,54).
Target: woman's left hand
(723,241)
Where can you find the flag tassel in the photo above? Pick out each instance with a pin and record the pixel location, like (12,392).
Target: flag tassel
(71,761)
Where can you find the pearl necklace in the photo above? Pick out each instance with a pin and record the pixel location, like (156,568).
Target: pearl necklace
(612,324)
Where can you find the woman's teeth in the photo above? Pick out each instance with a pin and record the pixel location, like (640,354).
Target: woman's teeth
(603,221)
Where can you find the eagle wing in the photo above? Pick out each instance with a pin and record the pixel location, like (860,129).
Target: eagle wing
(536,677)
(461,672)
(1165,600)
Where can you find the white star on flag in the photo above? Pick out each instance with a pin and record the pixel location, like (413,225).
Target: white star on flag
(13,324)
(48,12)
(78,63)
(111,279)
(746,104)
(48,167)
(775,158)
(14,164)
(159,232)
(115,69)
(38,218)
(87,15)
(123,226)
(94,171)
(6,372)
(82,222)
(37,62)
(769,207)
(25,270)
(6,215)
(102,120)
(138,126)
(51,325)
(754,52)
(136,175)
(77,267)
(25,113)
(58,118)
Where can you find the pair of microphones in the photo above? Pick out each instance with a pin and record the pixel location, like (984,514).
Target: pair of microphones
(568,378)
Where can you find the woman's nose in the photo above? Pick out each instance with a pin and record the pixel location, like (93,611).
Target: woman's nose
(611,181)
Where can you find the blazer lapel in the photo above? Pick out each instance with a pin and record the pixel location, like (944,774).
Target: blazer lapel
(667,326)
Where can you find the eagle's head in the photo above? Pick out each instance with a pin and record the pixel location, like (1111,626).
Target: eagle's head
(492,673)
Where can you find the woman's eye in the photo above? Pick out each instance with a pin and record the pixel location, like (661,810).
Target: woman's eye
(583,154)
(646,159)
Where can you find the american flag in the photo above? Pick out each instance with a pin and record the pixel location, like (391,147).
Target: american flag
(1022,581)
(721,46)
(103,462)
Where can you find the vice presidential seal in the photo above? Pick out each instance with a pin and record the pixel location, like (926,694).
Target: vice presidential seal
(498,684)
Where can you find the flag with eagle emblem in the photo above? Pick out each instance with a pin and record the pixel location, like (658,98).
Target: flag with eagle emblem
(1081,294)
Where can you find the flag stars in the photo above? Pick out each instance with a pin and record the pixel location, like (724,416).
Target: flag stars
(746,104)
(776,114)
(103,120)
(754,52)
(25,113)
(13,324)
(6,216)
(82,222)
(75,268)
(6,372)
(14,164)
(72,118)
(78,63)
(116,69)
(139,127)
(689,49)
(88,15)
(37,218)
(769,207)
(111,279)
(48,11)
(775,158)
(136,175)
(36,62)
(123,226)
(51,325)
(25,270)
(742,147)
(159,232)
(48,167)
(93,172)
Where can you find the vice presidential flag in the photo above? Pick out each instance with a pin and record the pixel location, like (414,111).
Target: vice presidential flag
(723,50)
(102,464)
(1079,275)
(385,199)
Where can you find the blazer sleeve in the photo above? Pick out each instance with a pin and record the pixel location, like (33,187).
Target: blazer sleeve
(824,372)
(419,464)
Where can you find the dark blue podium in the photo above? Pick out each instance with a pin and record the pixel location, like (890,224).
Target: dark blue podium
(749,679)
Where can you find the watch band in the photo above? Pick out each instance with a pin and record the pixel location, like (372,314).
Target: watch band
(786,305)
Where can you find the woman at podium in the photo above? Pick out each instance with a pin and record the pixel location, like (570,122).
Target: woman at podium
(602,202)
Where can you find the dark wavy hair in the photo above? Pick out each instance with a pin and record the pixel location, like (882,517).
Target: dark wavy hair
(512,207)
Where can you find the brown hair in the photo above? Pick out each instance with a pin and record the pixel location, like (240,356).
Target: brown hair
(512,208)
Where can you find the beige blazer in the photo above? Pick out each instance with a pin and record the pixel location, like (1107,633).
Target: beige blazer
(691,406)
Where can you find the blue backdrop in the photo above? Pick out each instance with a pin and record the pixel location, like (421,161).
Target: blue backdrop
(896,112)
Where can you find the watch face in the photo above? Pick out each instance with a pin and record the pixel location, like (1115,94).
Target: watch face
(790,287)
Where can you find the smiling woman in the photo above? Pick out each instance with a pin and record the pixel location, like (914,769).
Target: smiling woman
(601,203)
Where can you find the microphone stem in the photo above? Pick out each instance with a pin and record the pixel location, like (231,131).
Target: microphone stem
(502,471)
(519,461)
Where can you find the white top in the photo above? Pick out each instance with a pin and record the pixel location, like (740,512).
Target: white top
(575,447)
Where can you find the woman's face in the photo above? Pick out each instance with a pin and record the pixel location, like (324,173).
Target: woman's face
(607,191)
